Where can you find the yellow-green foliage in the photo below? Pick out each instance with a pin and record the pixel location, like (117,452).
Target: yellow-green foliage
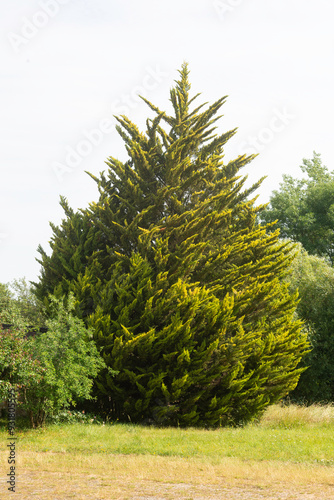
(183,290)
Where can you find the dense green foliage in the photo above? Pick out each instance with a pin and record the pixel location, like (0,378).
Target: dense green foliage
(314,279)
(19,305)
(71,244)
(49,370)
(70,360)
(304,208)
(184,291)
(17,366)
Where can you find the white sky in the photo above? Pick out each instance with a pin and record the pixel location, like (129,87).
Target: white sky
(67,66)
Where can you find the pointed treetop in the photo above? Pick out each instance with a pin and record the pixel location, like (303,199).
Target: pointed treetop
(183,85)
(179,95)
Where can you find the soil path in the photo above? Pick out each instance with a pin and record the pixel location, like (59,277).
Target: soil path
(55,486)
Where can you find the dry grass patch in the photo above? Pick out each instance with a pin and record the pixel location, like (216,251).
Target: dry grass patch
(63,476)
(297,416)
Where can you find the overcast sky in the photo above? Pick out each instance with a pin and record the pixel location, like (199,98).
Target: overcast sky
(68,66)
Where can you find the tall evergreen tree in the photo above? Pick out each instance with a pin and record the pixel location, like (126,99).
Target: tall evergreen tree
(188,301)
(72,245)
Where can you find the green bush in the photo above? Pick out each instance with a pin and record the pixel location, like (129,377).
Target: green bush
(18,367)
(74,416)
(70,360)
(50,370)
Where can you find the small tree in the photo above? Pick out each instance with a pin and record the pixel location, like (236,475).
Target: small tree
(69,362)
(50,370)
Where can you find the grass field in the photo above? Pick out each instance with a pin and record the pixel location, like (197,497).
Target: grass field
(289,454)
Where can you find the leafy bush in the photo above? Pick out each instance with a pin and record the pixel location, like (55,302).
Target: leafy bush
(73,416)
(17,365)
(70,361)
(51,370)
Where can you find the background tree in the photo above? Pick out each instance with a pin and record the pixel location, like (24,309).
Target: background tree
(19,305)
(304,208)
(187,294)
(7,305)
(313,277)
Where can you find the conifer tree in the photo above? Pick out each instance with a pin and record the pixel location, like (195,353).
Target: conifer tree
(186,290)
(72,244)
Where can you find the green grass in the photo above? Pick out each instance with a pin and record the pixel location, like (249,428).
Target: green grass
(291,434)
(288,454)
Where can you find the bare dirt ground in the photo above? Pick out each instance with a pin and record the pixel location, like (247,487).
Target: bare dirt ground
(59,486)
(64,476)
